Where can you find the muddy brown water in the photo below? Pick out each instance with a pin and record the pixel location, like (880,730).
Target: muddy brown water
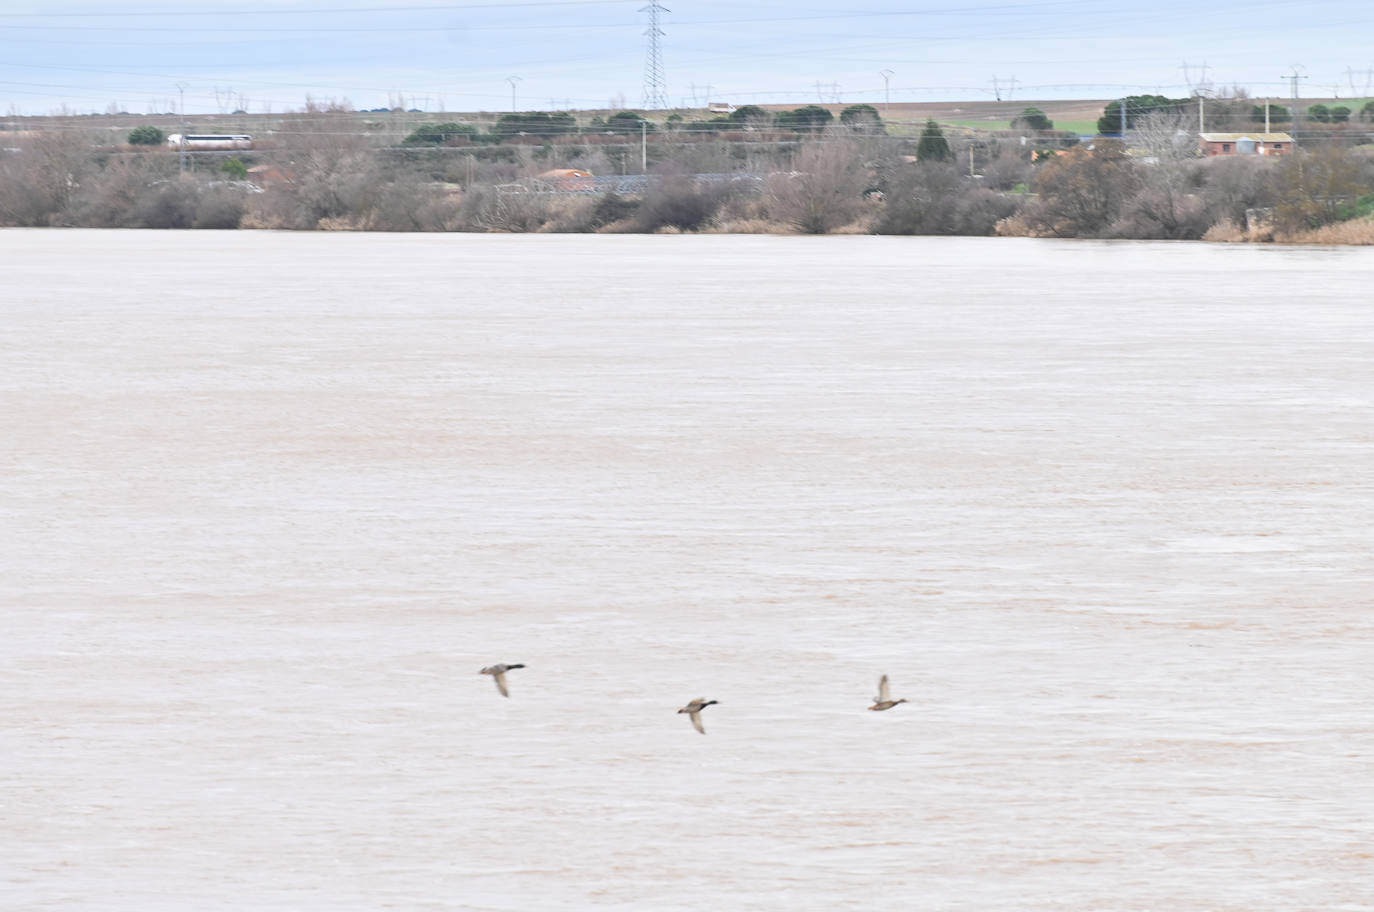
(1102,511)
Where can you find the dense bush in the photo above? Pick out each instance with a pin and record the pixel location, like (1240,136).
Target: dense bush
(1032,119)
(1277,114)
(627,122)
(749,115)
(234,169)
(1138,107)
(862,118)
(145,135)
(535,123)
(933,146)
(807,119)
(438,134)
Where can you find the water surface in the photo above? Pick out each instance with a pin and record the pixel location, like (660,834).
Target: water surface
(269,501)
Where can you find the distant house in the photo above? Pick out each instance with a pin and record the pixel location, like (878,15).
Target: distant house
(269,176)
(567,179)
(1213,144)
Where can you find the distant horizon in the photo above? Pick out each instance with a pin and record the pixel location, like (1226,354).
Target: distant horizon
(270,55)
(946,110)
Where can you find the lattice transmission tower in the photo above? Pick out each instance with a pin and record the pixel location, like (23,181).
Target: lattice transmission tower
(655,86)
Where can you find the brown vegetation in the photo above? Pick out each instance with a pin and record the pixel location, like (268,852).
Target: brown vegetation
(316,175)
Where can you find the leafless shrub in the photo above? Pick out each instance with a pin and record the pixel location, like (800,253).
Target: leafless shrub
(935,198)
(440,214)
(675,200)
(571,215)
(105,200)
(1018,225)
(1167,205)
(1224,232)
(220,208)
(169,204)
(1313,189)
(1007,169)
(1233,184)
(824,191)
(582,214)
(1081,192)
(38,180)
(405,203)
(488,209)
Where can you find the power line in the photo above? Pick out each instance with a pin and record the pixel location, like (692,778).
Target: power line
(1294,78)
(655,85)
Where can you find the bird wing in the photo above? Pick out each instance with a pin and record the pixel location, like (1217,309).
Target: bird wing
(884,694)
(500,678)
(695,716)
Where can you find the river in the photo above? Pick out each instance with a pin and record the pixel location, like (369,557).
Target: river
(1101,510)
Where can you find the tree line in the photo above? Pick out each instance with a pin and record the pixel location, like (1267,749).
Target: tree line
(842,174)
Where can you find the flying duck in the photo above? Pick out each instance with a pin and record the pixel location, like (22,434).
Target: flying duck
(498,673)
(884,698)
(693,710)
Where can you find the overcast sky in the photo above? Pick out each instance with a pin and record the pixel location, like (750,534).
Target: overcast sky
(269,54)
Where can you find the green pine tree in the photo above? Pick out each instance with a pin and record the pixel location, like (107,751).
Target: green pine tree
(933,145)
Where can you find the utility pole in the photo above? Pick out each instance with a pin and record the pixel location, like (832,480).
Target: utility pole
(644,145)
(181,93)
(1266,115)
(1123,121)
(513,80)
(887,91)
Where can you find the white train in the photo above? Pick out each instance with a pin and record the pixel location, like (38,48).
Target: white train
(211,141)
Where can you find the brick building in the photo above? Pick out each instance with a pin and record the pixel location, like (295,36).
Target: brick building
(1213,144)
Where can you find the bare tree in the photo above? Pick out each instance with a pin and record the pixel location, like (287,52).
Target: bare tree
(1081,192)
(1165,135)
(825,189)
(38,180)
